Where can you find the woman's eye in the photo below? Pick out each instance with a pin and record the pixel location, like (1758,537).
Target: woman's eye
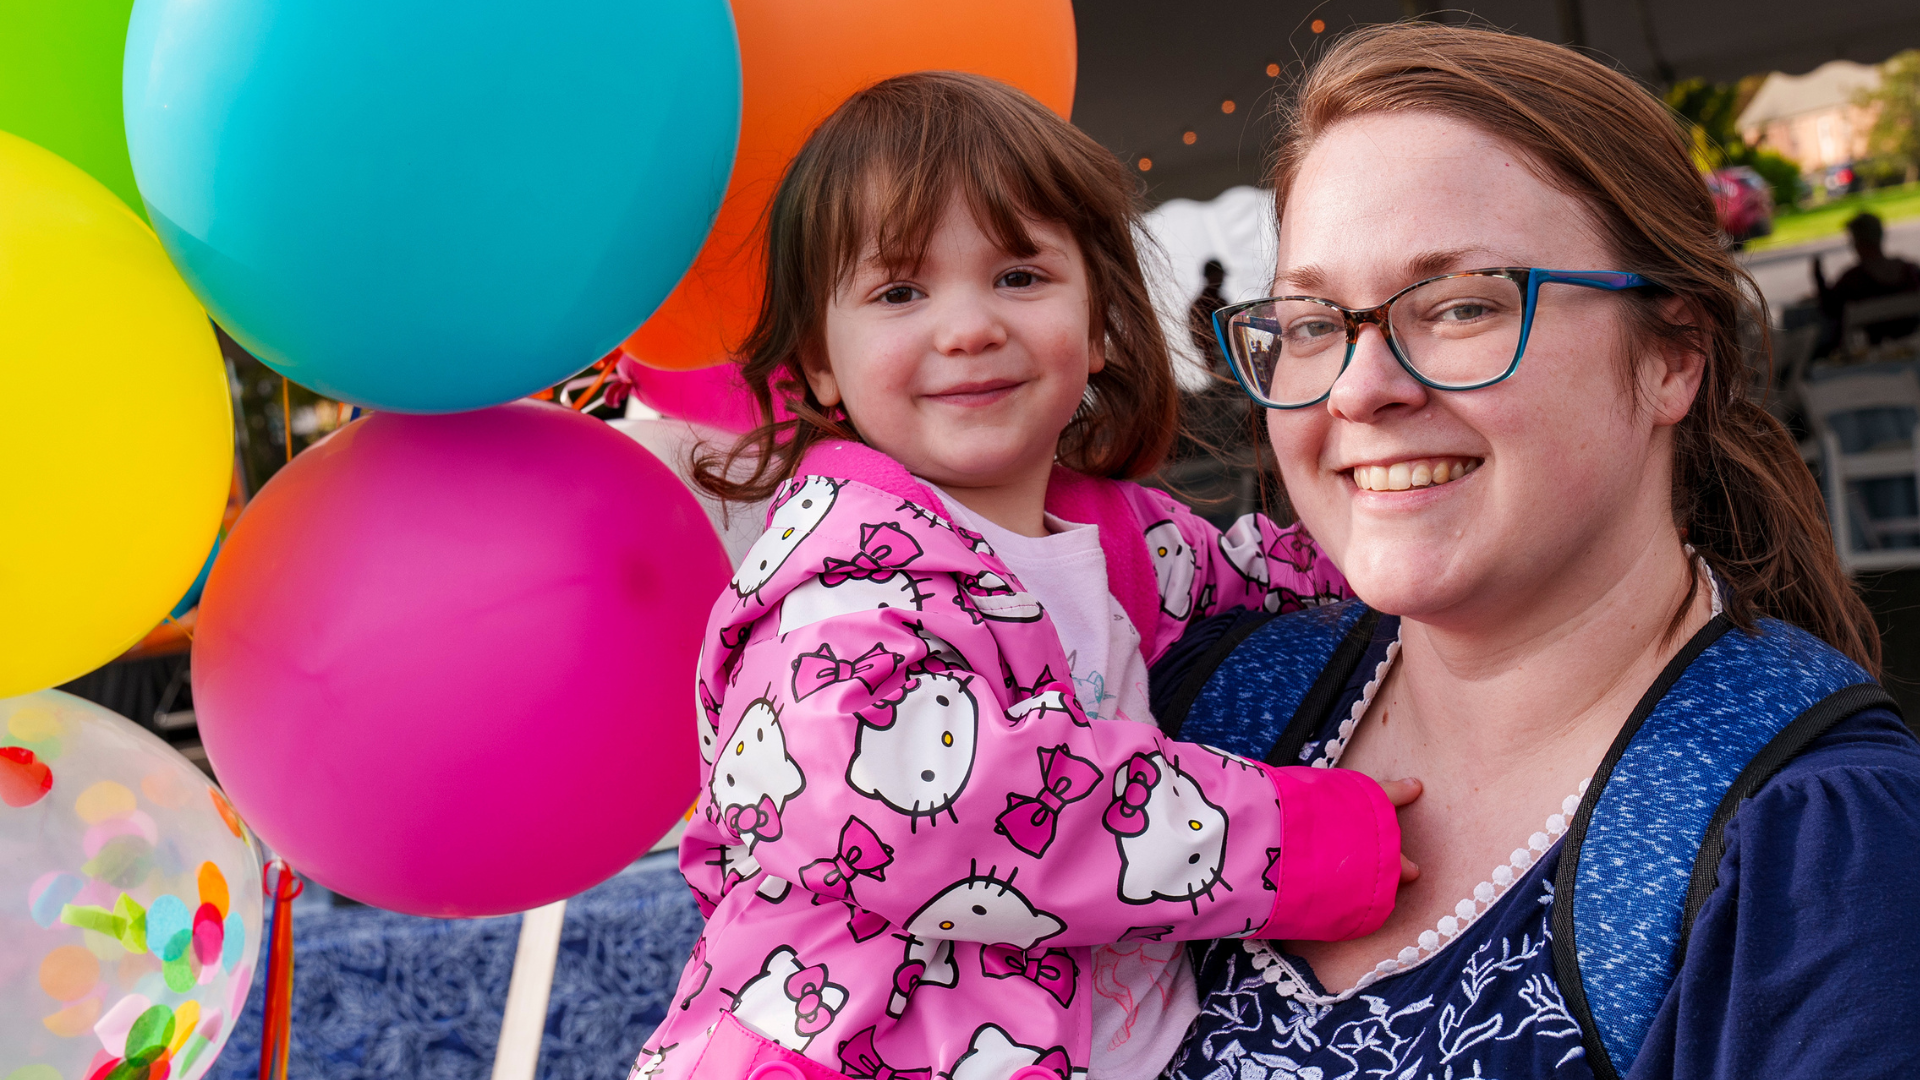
(1019,279)
(1464,312)
(898,294)
(1311,329)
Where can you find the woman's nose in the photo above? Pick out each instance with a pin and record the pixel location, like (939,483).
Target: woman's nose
(1373,382)
(967,325)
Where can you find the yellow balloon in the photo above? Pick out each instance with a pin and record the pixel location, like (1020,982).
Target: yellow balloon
(116,431)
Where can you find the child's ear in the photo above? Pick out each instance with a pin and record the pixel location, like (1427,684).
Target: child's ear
(819,373)
(1097,355)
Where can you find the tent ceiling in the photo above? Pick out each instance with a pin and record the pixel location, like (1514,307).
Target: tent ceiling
(1151,70)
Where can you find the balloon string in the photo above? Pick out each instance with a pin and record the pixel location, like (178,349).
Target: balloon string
(286,413)
(279,1004)
(183,627)
(606,365)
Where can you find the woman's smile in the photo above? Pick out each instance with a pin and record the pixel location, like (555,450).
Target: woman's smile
(1409,473)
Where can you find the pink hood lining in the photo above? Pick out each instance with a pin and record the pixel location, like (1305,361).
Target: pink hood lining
(1071,495)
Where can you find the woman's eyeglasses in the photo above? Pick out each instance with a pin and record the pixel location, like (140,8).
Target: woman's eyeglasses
(1453,332)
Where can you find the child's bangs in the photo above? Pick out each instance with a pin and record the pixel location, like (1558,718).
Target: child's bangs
(897,194)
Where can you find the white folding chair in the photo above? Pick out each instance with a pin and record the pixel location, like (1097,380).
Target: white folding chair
(1864,421)
(1857,316)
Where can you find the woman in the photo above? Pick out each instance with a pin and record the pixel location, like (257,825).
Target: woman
(1511,482)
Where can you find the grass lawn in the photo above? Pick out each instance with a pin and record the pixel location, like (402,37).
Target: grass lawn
(1799,226)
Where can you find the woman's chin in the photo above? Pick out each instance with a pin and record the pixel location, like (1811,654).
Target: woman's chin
(1413,581)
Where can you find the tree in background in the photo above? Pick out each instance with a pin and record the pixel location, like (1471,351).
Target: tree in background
(1894,141)
(1708,111)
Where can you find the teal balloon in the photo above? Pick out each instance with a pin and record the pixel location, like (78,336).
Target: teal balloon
(431,207)
(191,598)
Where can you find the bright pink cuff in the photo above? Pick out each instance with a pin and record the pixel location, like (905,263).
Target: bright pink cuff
(1338,866)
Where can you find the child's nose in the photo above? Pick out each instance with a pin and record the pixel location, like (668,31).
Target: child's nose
(967,327)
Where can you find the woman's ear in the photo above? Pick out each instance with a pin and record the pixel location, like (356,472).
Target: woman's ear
(1671,376)
(819,373)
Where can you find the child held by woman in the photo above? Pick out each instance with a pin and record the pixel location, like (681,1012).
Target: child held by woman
(940,833)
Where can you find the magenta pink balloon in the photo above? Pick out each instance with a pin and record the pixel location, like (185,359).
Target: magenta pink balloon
(445,664)
(714,396)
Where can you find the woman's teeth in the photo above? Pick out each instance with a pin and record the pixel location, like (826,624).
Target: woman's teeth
(1418,473)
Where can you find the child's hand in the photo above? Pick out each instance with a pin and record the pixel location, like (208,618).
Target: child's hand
(1400,793)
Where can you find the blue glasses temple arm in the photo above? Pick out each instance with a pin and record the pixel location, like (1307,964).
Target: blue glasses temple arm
(1610,280)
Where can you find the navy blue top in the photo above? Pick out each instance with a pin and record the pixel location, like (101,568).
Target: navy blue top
(1805,961)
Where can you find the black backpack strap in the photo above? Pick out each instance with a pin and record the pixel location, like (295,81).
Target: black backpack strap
(1311,714)
(1262,689)
(1173,715)
(1808,726)
(1722,718)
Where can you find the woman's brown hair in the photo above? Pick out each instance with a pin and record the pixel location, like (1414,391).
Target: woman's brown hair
(880,172)
(1742,495)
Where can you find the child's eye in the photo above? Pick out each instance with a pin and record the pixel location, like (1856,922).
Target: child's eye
(899,294)
(1019,279)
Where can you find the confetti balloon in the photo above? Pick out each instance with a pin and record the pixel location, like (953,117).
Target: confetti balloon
(129,901)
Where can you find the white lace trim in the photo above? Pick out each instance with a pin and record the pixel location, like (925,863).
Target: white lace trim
(1335,747)
(1287,980)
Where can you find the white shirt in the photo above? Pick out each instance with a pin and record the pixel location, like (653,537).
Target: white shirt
(1144,992)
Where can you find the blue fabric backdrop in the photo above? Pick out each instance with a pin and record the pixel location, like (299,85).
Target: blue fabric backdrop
(380,996)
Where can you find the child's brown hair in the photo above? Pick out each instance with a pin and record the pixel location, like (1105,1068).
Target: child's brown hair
(881,171)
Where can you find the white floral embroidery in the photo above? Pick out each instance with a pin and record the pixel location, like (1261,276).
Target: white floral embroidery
(1502,996)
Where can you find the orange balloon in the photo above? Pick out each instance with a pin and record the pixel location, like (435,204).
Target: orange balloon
(798,62)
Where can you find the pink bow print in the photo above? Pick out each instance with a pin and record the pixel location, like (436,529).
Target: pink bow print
(908,975)
(859,1060)
(883,550)
(861,853)
(815,671)
(1056,1062)
(1052,970)
(811,1013)
(1029,820)
(761,821)
(861,923)
(1127,815)
(1295,548)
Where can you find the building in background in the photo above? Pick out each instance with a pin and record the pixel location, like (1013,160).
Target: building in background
(1813,118)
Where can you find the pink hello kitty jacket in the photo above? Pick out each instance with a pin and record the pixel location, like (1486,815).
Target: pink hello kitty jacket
(911,834)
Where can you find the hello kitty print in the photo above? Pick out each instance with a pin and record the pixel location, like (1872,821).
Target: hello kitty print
(910,834)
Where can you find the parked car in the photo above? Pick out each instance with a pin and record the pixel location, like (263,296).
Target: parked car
(1743,201)
(1838,180)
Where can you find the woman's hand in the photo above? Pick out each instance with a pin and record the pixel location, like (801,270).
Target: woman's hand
(1400,793)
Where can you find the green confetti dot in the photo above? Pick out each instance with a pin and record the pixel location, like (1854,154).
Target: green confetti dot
(190,1052)
(150,1033)
(123,861)
(180,974)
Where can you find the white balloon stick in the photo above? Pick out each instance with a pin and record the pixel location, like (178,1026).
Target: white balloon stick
(525,1019)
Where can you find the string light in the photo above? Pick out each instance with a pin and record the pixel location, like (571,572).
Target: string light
(1273,70)
(1227,106)
(1189,138)
(1146,164)
(1319,26)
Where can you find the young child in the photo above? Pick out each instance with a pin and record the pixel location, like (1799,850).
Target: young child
(936,837)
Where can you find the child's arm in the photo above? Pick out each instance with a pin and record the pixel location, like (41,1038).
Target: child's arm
(1255,564)
(866,757)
